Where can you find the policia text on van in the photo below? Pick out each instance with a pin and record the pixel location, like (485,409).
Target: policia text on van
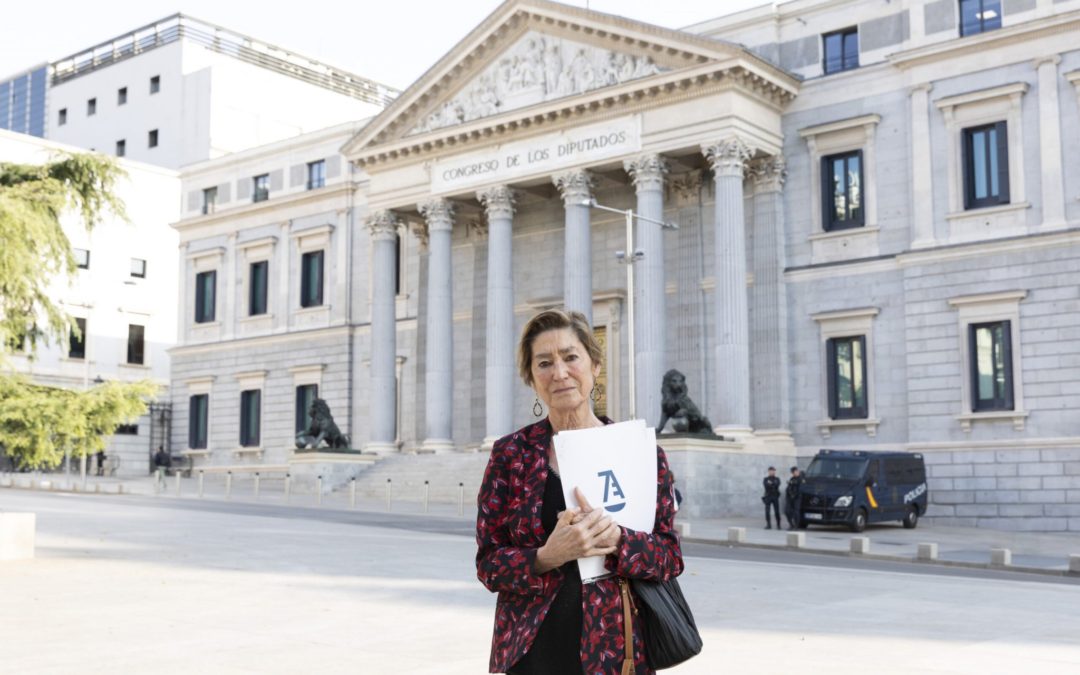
(854,488)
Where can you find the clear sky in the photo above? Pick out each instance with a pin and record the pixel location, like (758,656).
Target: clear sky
(390,41)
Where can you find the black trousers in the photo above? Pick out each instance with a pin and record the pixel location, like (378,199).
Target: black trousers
(775,504)
(791,510)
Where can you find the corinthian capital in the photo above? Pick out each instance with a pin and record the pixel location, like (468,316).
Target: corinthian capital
(647,171)
(728,157)
(768,173)
(383,225)
(498,201)
(575,186)
(438,214)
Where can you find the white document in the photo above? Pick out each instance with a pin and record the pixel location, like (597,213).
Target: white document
(615,467)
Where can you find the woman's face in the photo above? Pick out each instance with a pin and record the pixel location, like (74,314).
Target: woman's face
(562,372)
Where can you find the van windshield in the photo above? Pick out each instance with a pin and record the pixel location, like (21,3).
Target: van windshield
(837,469)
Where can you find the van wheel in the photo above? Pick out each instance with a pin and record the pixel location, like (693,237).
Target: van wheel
(911,518)
(859,524)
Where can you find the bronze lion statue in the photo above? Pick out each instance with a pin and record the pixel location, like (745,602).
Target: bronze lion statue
(321,429)
(675,405)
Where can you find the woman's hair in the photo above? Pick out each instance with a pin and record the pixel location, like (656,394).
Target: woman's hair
(555,319)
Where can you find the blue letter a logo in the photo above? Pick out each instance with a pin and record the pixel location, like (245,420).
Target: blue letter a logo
(611,491)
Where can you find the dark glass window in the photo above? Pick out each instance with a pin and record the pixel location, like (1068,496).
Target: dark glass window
(990,345)
(121,148)
(986,166)
(397,264)
(38,80)
(127,430)
(847,377)
(155,84)
(311,279)
(138,268)
(842,196)
(136,344)
(305,395)
(152,138)
(198,419)
(205,292)
(262,188)
(62,117)
(258,287)
(249,417)
(841,50)
(979,16)
(82,258)
(91,107)
(209,199)
(77,343)
(121,96)
(316,174)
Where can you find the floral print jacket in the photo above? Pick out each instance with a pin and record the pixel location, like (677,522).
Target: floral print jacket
(509,532)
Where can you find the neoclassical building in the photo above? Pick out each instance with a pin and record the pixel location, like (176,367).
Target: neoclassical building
(872,243)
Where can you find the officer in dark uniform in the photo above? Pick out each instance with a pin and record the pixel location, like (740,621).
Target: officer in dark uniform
(771,498)
(793,496)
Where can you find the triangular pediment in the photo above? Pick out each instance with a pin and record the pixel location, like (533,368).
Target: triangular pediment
(533,57)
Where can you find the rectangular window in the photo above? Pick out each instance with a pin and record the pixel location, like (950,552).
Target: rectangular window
(398,266)
(979,16)
(121,148)
(990,346)
(311,279)
(986,166)
(249,417)
(155,84)
(847,377)
(262,188)
(121,96)
(152,138)
(91,107)
(209,199)
(127,430)
(842,197)
(841,50)
(138,268)
(305,396)
(82,258)
(77,343)
(136,344)
(198,418)
(62,117)
(316,174)
(205,292)
(258,287)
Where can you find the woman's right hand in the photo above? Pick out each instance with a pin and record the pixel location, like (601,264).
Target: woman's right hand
(570,540)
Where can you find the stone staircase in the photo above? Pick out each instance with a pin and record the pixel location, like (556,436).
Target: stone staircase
(407,474)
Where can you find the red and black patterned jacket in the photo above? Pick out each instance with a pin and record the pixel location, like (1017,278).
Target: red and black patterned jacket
(509,532)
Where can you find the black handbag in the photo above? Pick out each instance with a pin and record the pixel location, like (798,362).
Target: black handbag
(670,634)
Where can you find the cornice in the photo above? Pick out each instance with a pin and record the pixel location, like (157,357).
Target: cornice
(336,190)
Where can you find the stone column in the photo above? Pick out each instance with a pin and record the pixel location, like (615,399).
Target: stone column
(768,328)
(731,404)
(922,186)
(500,370)
(438,369)
(650,356)
(576,189)
(383,390)
(1053,189)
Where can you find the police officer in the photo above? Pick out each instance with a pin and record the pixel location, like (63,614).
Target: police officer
(793,496)
(771,498)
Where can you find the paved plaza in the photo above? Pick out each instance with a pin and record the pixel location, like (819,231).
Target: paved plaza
(135,584)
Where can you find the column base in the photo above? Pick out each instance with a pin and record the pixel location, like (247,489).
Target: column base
(381,448)
(733,432)
(436,446)
(488,443)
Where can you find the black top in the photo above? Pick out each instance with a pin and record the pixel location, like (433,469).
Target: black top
(557,647)
(772,487)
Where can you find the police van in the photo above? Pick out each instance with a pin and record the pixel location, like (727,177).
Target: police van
(854,488)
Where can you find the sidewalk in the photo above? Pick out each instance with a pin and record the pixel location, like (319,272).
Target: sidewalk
(1043,552)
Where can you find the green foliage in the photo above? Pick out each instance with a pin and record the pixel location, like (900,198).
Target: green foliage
(39,424)
(33,247)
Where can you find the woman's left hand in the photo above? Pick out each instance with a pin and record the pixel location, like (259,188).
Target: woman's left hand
(612,534)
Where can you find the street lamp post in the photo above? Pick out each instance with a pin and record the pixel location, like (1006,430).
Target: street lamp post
(629,257)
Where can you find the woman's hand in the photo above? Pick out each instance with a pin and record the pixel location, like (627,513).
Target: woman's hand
(611,536)
(577,535)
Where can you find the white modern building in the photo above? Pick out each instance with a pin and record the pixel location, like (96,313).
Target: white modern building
(879,232)
(121,297)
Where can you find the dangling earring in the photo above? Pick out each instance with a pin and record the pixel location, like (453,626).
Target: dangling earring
(538,409)
(595,393)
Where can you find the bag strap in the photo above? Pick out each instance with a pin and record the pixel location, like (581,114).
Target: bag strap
(628,628)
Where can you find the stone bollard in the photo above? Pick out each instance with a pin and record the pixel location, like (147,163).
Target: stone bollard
(1074,564)
(1000,557)
(17,535)
(736,535)
(228,485)
(318,491)
(200,483)
(796,539)
(683,529)
(255,488)
(288,487)
(860,545)
(927,552)
(352,492)
(427,493)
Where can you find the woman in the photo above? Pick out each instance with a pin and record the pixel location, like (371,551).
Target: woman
(546,620)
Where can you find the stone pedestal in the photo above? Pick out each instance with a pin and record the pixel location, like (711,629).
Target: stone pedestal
(17,536)
(337,468)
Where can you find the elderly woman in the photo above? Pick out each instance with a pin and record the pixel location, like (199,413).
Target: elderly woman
(546,620)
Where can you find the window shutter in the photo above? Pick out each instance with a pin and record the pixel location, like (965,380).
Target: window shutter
(1006,348)
(1003,162)
(861,220)
(973,368)
(969,169)
(830,365)
(828,208)
(864,407)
